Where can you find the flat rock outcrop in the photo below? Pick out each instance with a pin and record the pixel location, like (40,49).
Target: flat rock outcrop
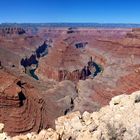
(119,120)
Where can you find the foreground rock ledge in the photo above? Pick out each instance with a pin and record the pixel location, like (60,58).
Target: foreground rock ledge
(120,120)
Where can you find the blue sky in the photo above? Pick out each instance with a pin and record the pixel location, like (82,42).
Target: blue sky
(101,11)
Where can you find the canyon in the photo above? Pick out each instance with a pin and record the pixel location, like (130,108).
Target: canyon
(47,72)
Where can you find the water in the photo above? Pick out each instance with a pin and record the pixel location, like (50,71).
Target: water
(32,72)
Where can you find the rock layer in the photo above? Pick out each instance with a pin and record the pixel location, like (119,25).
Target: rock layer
(26,108)
(11,31)
(119,120)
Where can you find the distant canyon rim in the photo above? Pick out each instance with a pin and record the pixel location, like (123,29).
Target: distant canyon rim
(47,72)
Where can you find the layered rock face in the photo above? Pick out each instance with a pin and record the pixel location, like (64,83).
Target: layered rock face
(135,33)
(11,30)
(28,106)
(119,120)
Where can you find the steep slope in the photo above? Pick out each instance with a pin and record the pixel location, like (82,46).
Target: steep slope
(25,107)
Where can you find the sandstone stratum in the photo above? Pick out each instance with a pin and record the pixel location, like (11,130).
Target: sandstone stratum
(120,120)
(46,73)
(28,106)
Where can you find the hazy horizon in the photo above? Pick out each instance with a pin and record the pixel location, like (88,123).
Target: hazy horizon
(68,23)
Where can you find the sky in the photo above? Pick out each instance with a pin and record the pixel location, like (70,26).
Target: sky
(70,11)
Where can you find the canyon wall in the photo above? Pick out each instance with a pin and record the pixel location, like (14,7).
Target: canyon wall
(27,105)
(119,120)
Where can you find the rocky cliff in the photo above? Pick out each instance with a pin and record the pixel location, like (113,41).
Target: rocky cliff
(120,120)
(12,31)
(27,105)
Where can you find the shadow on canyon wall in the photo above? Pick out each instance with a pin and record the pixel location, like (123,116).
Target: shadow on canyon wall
(81,45)
(91,70)
(30,64)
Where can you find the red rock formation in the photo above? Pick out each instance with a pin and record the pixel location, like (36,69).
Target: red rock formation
(65,61)
(12,31)
(26,108)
